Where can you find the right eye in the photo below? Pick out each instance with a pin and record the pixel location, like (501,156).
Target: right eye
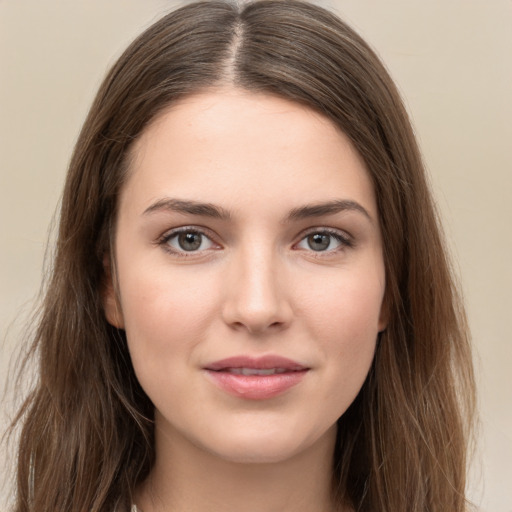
(185,241)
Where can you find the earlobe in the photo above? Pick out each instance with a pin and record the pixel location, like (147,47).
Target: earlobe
(109,298)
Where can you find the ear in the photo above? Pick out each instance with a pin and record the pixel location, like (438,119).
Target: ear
(110,300)
(384,314)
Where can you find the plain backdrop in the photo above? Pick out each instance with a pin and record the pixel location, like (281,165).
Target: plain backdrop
(452,60)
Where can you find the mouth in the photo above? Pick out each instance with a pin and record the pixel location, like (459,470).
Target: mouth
(255,371)
(256,378)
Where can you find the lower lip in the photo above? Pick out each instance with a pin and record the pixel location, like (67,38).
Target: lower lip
(256,387)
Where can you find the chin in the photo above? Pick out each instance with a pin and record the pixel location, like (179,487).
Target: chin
(255,454)
(268,446)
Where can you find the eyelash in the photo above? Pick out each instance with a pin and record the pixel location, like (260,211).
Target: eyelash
(163,241)
(344,240)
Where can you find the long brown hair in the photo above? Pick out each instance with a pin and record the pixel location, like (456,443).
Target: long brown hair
(87,433)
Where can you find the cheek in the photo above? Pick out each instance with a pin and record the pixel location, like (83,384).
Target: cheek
(348,305)
(157,296)
(166,314)
(343,317)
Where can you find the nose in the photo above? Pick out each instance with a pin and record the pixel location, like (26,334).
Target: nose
(256,298)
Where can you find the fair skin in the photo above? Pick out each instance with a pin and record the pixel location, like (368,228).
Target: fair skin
(256,272)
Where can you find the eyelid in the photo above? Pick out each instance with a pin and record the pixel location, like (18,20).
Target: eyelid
(345,239)
(165,237)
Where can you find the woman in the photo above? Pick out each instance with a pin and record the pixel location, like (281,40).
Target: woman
(251,305)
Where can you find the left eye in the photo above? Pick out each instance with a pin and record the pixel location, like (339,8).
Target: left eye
(322,242)
(188,241)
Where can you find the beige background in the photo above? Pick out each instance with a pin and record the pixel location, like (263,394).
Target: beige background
(452,60)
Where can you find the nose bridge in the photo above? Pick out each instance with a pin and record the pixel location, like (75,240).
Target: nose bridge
(256,298)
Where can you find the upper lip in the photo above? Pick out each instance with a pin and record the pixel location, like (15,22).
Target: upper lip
(262,363)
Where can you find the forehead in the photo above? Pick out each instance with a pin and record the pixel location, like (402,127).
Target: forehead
(229,145)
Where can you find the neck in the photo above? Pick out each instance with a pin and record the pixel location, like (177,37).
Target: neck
(187,478)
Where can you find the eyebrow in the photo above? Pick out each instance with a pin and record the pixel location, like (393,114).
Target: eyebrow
(328,208)
(190,207)
(210,210)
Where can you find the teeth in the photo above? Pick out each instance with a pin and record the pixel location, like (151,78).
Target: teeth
(255,371)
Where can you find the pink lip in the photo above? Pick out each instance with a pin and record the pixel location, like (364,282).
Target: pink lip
(256,387)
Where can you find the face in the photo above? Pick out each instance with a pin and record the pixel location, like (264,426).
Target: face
(250,274)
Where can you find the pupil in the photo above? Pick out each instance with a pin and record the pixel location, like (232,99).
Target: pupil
(318,242)
(189,241)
